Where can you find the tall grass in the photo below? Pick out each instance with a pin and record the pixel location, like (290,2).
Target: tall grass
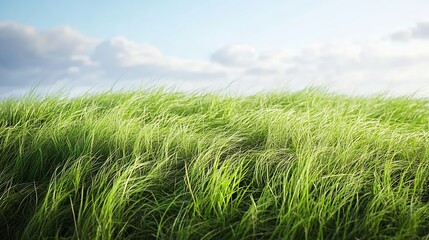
(152,164)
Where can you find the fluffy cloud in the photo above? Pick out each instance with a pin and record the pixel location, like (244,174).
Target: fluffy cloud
(420,31)
(121,52)
(24,47)
(234,55)
(360,68)
(28,56)
(64,57)
(147,61)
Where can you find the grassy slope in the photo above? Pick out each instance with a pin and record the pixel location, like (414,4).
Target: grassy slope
(287,165)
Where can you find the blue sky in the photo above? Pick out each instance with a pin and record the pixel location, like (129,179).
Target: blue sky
(210,44)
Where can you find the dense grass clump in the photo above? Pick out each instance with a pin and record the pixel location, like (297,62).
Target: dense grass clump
(152,164)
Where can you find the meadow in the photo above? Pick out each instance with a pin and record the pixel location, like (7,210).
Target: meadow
(168,165)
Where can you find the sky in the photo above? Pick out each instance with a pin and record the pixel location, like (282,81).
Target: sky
(354,47)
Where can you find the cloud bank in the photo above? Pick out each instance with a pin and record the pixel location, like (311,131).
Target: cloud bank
(65,58)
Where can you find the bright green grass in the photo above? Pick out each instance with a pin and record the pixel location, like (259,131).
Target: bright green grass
(163,165)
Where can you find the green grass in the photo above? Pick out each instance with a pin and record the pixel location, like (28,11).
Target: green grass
(152,164)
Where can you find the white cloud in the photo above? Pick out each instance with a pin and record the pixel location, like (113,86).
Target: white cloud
(121,52)
(142,61)
(24,47)
(64,57)
(236,55)
(28,56)
(419,32)
(359,68)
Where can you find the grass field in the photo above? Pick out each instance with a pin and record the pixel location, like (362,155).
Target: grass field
(152,164)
